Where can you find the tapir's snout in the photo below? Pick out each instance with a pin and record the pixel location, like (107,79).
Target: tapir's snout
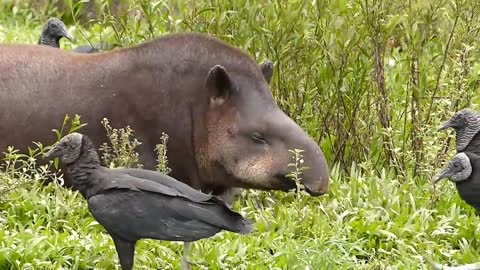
(316,176)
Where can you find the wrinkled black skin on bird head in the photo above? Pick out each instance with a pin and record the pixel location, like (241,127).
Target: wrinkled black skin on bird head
(466,124)
(52,32)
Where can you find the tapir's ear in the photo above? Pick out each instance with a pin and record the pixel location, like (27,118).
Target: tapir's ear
(219,83)
(267,70)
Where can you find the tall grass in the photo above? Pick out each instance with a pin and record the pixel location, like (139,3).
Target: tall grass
(365,222)
(370,80)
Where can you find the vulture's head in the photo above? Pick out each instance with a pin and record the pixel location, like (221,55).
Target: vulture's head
(457,170)
(466,124)
(55,29)
(68,149)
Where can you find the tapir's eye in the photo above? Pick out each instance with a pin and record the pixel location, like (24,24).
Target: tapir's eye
(258,138)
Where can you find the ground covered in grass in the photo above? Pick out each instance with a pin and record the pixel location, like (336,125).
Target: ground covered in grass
(365,222)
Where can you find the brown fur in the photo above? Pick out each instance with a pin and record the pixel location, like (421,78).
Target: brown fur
(161,85)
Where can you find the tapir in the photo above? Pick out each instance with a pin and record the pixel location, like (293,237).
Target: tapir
(212,99)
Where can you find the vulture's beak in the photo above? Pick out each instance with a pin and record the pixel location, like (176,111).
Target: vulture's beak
(442,175)
(444,126)
(68,35)
(52,153)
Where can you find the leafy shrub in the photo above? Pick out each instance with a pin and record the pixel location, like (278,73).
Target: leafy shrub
(162,159)
(122,152)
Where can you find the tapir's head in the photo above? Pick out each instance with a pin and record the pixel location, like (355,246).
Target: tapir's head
(248,135)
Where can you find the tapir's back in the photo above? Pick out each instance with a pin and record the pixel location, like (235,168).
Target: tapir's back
(143,87)
(39,85)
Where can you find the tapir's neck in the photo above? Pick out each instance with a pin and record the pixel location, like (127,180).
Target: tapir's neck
(206,176)
(199,139)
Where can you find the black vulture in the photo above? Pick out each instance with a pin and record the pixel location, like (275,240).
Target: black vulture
(52,32)
(132,204)
(464,171)
(466,124)
(54,29)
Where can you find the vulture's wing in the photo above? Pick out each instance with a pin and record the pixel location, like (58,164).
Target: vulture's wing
(180,187)
(133,215)
(111,181)
(85,49)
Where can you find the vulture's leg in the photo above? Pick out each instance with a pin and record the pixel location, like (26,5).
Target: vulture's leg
(186,252)
(125,252)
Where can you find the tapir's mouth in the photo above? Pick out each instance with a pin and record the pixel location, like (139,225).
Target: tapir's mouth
(313,192)
(285,182)
(290,184)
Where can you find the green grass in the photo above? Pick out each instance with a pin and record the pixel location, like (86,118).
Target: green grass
(365,222)
(375,216)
